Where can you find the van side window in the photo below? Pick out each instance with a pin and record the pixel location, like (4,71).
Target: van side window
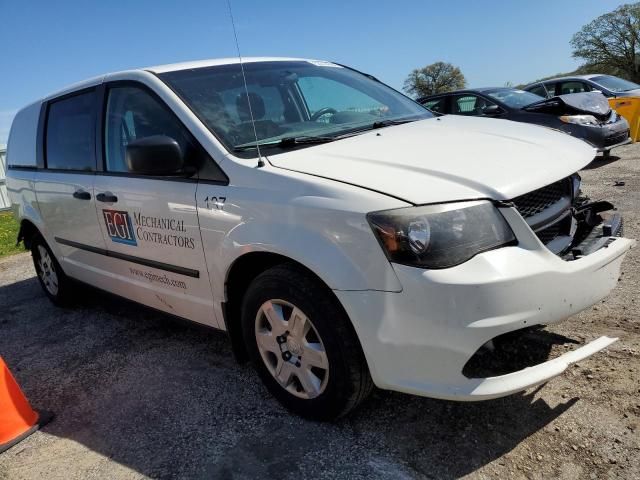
(70,133)
(132,114)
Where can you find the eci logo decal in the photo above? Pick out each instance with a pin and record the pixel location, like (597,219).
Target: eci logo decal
(119,226)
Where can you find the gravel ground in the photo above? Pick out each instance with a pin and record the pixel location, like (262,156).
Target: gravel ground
(140,395)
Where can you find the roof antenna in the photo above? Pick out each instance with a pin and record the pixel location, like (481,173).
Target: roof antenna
(246,89)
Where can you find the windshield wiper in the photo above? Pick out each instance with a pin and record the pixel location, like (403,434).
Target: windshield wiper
(288,142)
(304,140)
(311,140)
(390,122)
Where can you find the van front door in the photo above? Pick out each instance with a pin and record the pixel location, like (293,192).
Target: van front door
(150,224)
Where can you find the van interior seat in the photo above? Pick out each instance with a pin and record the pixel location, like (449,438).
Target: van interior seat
(264,128)
(250,104)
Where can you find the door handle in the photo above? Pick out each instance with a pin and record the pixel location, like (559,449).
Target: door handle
(82,195)
(107,197)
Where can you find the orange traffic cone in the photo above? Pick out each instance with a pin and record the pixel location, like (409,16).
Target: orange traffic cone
(17,419)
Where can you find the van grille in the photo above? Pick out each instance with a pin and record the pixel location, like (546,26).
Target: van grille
(546,209)
(538,201)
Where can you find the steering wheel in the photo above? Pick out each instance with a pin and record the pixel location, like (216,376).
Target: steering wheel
(321,112)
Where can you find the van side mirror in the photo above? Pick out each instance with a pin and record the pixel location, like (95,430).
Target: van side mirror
(157,155)
(491,110)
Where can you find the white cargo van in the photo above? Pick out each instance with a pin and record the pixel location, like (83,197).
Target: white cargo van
(342,235)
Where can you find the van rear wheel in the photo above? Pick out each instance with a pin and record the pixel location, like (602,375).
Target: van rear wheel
(302,344)
(50,275)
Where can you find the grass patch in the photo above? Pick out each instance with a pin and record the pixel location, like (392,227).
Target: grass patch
(8,235)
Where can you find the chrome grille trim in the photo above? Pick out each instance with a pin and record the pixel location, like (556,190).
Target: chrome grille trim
(554,212)
(548,212)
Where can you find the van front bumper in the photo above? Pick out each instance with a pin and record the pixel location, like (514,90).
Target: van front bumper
(418,340)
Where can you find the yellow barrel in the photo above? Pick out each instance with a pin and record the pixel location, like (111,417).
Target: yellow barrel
(629,108)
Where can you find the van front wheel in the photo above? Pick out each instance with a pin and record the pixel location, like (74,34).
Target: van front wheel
(50,275)
(302,344)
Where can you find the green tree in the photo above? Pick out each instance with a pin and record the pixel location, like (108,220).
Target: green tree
(438,77)
(610,43)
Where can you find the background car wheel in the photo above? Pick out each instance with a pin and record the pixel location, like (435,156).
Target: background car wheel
(303,345)
(52,279)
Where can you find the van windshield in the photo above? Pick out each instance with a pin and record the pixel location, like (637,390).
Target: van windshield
(288,99)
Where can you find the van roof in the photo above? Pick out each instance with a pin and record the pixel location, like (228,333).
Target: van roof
(89,82)
(218,61)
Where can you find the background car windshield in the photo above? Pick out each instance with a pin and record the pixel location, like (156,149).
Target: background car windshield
(515,98)
(615,84)
(287,99)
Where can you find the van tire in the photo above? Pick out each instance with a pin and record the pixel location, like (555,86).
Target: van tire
(55,284)
(348,380)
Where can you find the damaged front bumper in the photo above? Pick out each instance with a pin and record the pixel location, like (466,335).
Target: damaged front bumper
(492,387)
(594,231)
(419,340)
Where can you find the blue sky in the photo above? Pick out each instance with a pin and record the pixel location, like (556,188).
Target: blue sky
(45,45)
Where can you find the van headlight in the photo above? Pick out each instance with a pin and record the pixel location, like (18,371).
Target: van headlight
(440,236)
(580,119)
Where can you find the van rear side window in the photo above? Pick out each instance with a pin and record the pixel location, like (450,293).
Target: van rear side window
(20,151)
(70,133)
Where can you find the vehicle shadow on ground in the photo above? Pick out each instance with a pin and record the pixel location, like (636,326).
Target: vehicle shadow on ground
(600,161)
(166,399)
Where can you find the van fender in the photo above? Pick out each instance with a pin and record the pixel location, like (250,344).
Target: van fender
(356,265)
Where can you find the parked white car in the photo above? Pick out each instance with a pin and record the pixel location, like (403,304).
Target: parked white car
(341,234)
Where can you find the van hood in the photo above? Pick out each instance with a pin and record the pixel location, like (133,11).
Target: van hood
(446,158)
